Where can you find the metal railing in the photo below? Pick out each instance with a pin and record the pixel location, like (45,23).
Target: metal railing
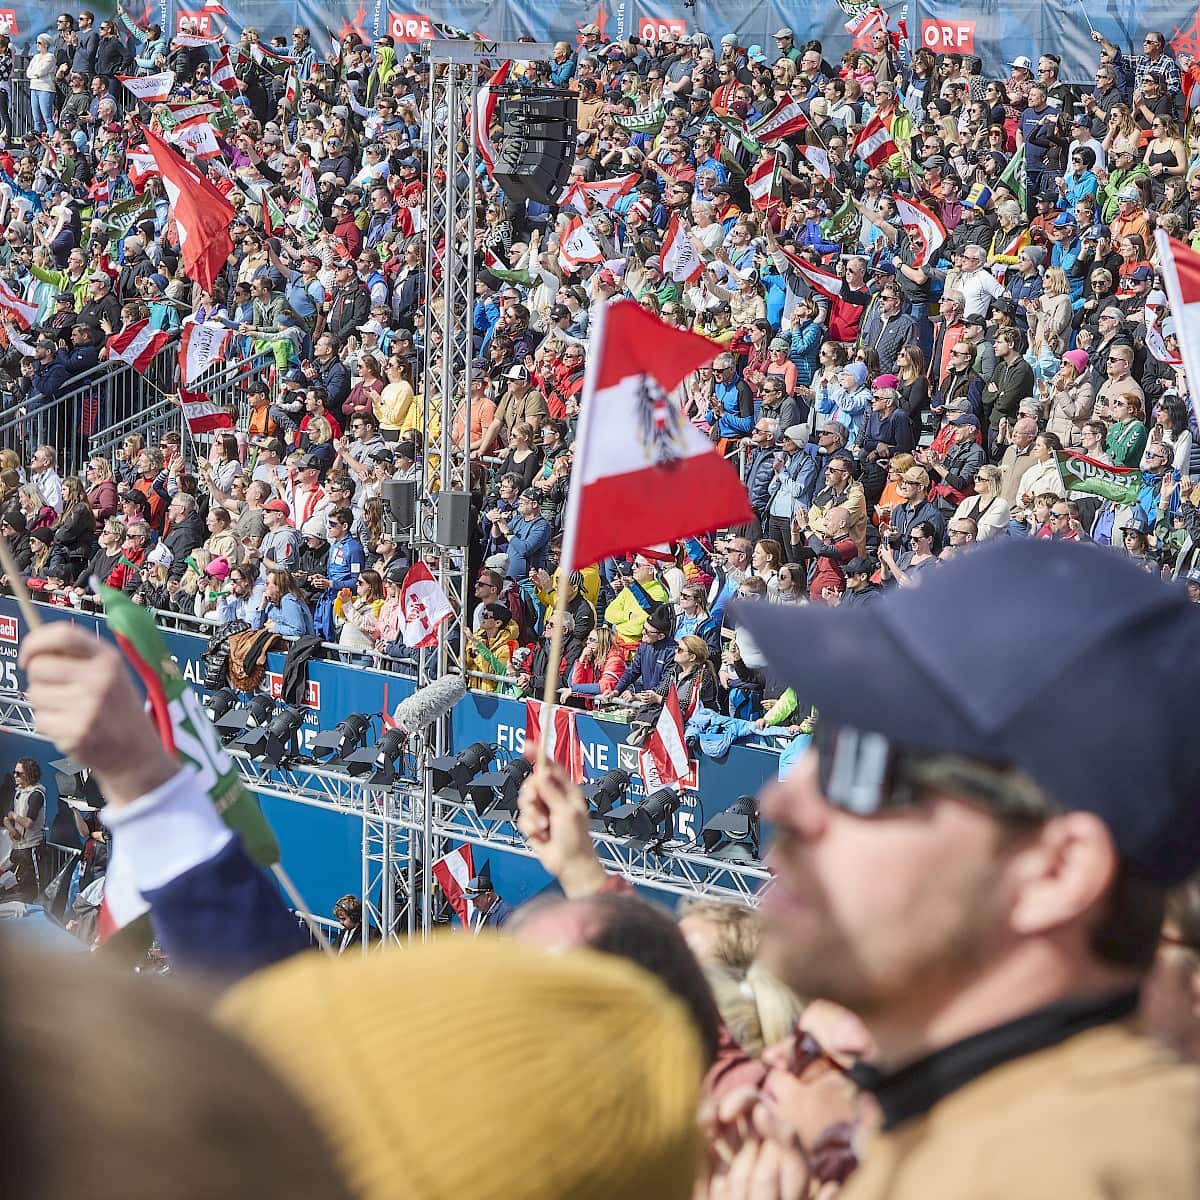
(103,406)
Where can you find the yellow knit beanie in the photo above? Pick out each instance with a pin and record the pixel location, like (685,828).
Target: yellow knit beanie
(481,1067)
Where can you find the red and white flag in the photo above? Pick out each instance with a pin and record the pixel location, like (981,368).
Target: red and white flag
(17,307)
(196,136)
(453,873)
(1156,343)
(763,183)
(203,216)
(680,260)
(200,39)
(200,345)
(663,758)
(863,24)
(485,108)
(137,345)
(424,607)
(818,159)
(201,414)
(634,441)
(562,738)
(925,232)
(578,246)
(149,89)
(604,192)
(139,166)
(825,282)
(214,8)
(785,120)
(1180,268)
(410,219)
(873,142)
(223,75)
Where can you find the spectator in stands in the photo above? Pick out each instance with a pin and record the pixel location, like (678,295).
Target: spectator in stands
(282,608)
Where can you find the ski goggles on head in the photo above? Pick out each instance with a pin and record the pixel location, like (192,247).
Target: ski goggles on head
(866,775)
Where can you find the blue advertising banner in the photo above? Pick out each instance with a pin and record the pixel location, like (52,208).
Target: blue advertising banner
(322,849)
(996,30)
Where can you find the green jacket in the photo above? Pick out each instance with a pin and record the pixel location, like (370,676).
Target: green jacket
(1116,180)
(62,280)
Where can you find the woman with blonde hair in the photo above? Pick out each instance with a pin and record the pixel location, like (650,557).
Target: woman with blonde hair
(1054,306)
(38,514)
(102,487)
(1127,435)
(890,497)
(75,530)
(987,508)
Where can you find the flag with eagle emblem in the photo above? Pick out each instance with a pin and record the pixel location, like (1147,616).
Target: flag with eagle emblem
(643,473)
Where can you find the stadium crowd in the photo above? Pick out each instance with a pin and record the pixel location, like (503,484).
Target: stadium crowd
(887,410)
(984,954)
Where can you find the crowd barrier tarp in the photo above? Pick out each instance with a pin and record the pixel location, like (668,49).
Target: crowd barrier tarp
(996,31)
(321,849)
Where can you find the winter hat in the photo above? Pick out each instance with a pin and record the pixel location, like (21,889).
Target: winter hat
(218,568)
(632,1130)
(662,619)
(314,527)
(16,519)
(1035,254)
(1078,359)
(161,556)
(857,371)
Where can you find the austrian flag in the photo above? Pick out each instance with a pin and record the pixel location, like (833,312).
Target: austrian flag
(424,607)
(873,142)
(785,120)
(562,738)
(680,260)
(642,472)
(137,345)
(764,182)
(485,108)
(578,246)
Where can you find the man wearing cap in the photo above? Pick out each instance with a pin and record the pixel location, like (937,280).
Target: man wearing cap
(1124,168)
(1131,218)
(488,911)
(1024,285)
(305,496)
(521,402)
(785,44)
(1018,873)
(527,534)
(102,306)
(1136,293)
(281,545)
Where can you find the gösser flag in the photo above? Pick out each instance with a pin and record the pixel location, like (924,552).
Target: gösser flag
(202,215)
(642,472)
(1180,269)
(424,608)
(201,414)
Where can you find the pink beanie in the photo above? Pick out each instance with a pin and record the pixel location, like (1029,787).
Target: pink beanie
(1078,359)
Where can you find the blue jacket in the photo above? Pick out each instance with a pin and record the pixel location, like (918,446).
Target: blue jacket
(292,618)
(528,545)
(760,471)
(49,378)
(345,562)
(649,666)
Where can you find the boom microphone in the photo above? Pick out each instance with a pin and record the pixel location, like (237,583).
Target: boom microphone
(430,704)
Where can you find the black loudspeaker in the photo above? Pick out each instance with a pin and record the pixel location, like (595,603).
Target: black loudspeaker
(398,499)
(538,150)
(453,519)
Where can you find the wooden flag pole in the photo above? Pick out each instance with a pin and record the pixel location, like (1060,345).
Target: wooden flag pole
(20,592)
(550,689)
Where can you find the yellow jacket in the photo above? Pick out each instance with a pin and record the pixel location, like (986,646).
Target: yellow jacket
(1107,1113)
(627,616)
(591,588)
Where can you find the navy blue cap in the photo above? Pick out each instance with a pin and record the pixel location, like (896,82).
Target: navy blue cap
(1102,622)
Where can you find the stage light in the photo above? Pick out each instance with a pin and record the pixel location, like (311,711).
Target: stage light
(606,791)
(387,757)
(494,795)
(347,736)
(733,834)
(647,820)
(252,716)
(452,772)
(220,702)
(276,741)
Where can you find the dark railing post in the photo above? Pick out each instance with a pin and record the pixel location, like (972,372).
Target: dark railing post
(20,104)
